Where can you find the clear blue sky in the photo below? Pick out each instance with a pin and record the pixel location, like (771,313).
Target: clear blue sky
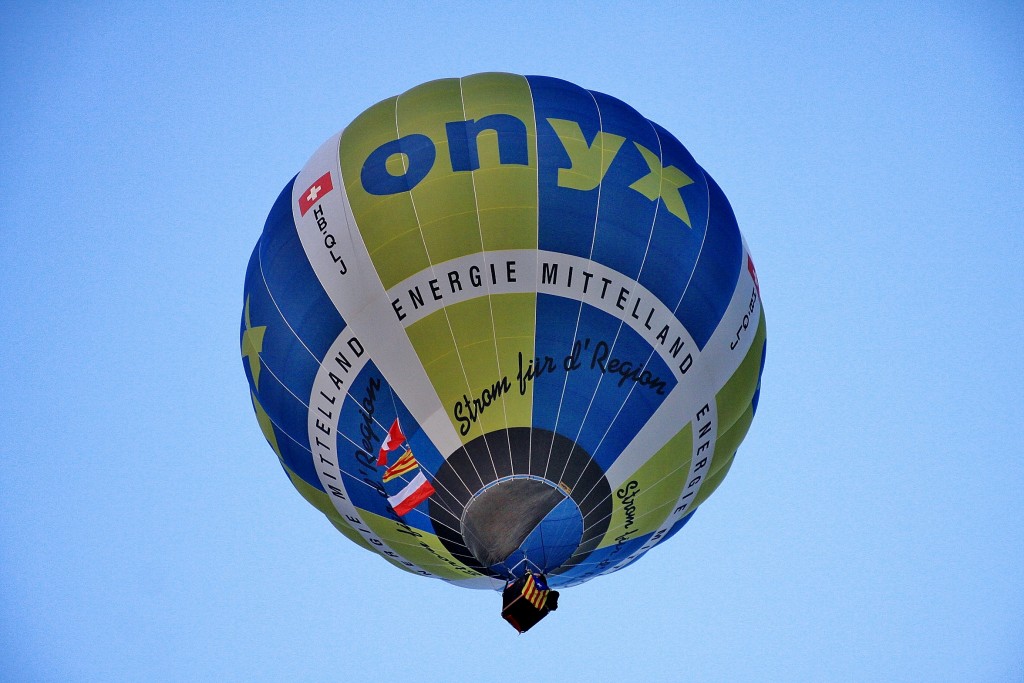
(870,528)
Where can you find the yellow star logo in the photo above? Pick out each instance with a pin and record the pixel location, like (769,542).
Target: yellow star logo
(252,345)
(664,182)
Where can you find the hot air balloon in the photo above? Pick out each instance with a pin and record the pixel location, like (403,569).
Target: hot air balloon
(503,329)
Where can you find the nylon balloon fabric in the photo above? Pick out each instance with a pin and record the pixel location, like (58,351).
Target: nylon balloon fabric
(503,323)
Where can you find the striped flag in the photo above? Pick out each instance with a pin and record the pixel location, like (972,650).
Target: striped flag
(536,591)
(414,493)
(406,463)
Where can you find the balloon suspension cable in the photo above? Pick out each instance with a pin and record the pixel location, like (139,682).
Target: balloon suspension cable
(511,571)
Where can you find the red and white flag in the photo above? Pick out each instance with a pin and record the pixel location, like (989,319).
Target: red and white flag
(415,492)
(315,192)
(392,441)
(753,274)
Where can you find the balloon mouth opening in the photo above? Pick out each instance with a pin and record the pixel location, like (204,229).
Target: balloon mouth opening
(522,522)
(497,512)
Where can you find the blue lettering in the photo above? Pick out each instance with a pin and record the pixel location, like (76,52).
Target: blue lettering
(419,155)
(462,141)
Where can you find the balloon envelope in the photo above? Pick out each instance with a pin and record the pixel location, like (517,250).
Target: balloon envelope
(503,322)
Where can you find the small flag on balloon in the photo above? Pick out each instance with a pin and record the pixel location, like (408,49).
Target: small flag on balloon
(314,192)
(753,274)
(392,441)
(406,463)
(414,493)
(535,590)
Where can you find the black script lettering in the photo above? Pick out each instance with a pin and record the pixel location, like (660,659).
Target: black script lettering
(626,370)
(745,323)
(627,494)
(366,429)
(572,361)
(468,411)
(534,368)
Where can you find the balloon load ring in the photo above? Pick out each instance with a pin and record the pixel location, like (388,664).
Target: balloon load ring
(545,504)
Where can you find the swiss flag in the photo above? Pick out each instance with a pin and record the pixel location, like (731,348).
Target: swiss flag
(314,192)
